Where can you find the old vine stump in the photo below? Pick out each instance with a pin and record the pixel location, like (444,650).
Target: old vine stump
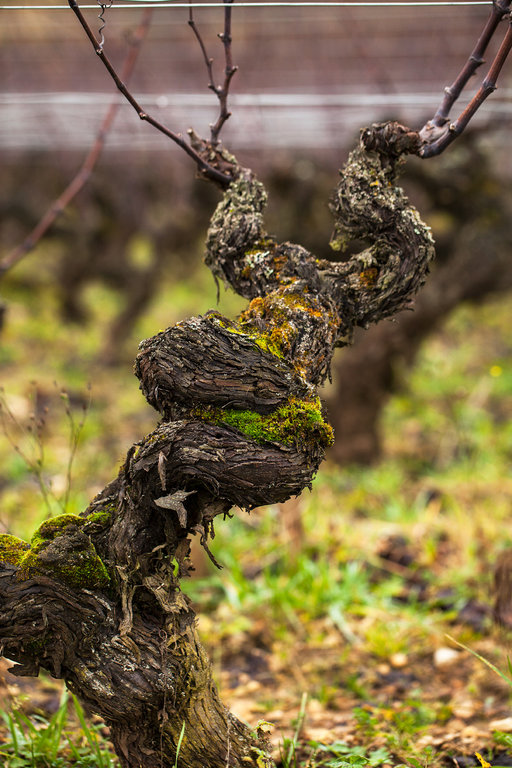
(95,599)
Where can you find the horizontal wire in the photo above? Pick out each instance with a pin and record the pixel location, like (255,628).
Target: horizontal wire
(264,4)
(262,100)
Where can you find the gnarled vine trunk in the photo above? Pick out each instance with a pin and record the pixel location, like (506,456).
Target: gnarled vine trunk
(95,599)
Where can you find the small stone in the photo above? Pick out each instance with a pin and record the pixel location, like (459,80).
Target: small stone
(399,660)
(464,709)
(321,735)
(505,725)
(445,657)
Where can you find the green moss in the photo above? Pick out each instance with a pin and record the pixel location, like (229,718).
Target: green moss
(152,439)
(48,530)
(85,571)
(102,517)
(81,568)
(299,423)
(35,646)
(267,342)
(12,549)
(75,563)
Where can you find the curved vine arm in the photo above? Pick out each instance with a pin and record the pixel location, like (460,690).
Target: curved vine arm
(96,599)
(305,307)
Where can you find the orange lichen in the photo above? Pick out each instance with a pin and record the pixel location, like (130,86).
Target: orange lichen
(368,277)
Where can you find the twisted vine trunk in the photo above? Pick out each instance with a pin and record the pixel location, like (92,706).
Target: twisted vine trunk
(95,599)
(465,189)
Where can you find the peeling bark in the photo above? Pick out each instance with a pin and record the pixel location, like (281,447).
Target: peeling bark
(96,599)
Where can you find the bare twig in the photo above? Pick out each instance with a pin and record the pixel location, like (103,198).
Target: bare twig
(488,85)
(438,133)
(204,166)
(76,184)
(33,452)
(475,60)
(207,59)
(75,432)
(221,91)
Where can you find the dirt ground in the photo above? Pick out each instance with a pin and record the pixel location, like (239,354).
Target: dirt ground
(437,706)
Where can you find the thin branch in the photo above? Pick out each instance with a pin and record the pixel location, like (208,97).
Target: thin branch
(81,178)
(438,133)
(207,59)
(221,91)
(475,60)
(488,86)
(205,167)
(229,71)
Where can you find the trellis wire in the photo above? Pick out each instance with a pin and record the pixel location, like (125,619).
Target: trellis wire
(253,100)
(264,4)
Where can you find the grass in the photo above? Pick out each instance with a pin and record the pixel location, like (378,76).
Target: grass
(289,747)
(178,748)
(341,755)
(326,613)
(55,742)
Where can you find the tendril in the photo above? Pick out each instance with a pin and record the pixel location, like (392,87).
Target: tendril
(101,17)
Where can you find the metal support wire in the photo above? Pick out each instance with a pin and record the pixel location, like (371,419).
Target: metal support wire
(264,4)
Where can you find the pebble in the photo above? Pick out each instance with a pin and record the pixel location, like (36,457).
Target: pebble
(505,725)
(398,660)
(465,709)
(445,657)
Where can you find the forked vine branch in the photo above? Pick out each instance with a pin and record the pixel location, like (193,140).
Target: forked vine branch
(438,133)
(205,165)
(434,137)
(221,91)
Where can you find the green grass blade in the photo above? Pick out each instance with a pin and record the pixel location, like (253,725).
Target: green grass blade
(12,730)
(102,759)
(292,748)
(180,740)
(492,666)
